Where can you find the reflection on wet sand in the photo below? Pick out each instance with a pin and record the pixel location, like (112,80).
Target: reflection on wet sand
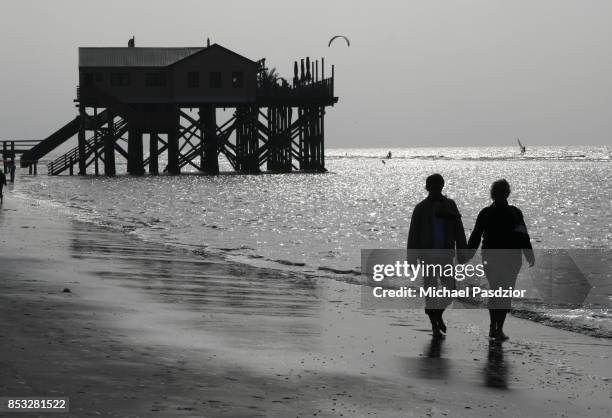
(496,370)
(206,284)
(197,281)
(433,363)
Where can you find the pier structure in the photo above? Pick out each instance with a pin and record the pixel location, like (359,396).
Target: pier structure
(148,105)
(11,148)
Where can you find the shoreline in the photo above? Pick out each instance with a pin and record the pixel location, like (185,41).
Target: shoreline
(152,330)
(349,276)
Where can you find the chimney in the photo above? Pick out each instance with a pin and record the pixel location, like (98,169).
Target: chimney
(207,42)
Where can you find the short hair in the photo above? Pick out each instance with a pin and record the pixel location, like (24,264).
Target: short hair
(500,190)
(434,183)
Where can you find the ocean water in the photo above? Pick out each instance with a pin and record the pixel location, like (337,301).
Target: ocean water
(318,223)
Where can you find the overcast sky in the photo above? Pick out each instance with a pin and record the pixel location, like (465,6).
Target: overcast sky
(417,73)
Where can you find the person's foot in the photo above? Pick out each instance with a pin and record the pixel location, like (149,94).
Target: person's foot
(435,330)
(442,325)
(499,335)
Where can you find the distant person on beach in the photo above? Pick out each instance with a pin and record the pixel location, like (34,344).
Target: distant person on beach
(12,172)
(2,184)
(504,241)
(436,232)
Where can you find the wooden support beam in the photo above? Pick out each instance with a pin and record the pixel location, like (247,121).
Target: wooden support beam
(303,140)
(121,151)
(109,146)
(279,141)
(135,154)
(12,165)
(173,145)
(211,147)
(246,149)
(202,145)
(322,138)
(153,153)
(81,141)
(96,139)
(4,157)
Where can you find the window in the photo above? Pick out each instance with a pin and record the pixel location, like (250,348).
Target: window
(193,79)
(237,79)
(88,79)
(215,79)
(120,79)
(155,79)
(99,77)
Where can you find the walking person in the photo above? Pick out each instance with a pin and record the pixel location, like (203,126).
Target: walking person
(2,184)
(436,233)
(505,239)
(12,168)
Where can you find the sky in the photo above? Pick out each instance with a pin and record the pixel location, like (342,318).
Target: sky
(417,73)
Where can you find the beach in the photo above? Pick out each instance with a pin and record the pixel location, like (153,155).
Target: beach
(246,213)
(130,328)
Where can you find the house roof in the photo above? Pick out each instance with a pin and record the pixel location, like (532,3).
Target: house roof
(138,56)
(133,57)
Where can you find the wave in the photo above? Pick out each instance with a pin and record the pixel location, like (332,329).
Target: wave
(593,322)
(340,271)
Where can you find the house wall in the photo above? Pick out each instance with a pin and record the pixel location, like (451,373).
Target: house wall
(215,60)
(137,91)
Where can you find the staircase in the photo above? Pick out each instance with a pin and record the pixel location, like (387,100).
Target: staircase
(56,139)
(92,147)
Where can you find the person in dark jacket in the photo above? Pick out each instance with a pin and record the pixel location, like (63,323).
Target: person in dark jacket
(435,233)
(505,240)
(2,184)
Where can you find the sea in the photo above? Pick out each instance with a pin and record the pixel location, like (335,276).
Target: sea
(317,224)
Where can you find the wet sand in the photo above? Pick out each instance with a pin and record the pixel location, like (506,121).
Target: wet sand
(154,331)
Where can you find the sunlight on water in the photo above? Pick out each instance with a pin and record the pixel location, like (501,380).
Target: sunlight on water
(323,220)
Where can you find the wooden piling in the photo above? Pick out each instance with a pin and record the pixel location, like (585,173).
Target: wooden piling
(135,154)
(96,139)
(202,153)
(109,146)
(153,153)
(211,146)
(81,141)
(173,144)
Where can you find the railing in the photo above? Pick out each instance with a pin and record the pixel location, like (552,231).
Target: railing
(91,145)
(322,89)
